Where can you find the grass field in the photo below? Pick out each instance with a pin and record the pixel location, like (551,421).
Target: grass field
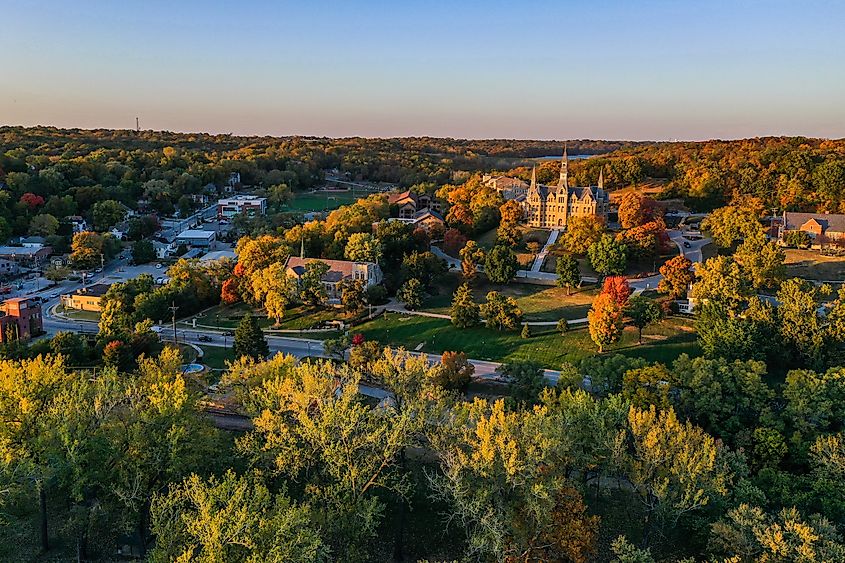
(216,357)
(323,201)
(296,318)
(663,342)
(77,315)
(538,303)
(810,264)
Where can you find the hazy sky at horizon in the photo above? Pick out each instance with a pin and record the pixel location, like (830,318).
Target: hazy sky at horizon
(540,70)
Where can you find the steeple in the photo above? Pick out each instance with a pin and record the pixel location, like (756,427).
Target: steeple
(564,169)
(601,178)
(533,178)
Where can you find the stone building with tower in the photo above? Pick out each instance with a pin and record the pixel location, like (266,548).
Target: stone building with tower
(550,207)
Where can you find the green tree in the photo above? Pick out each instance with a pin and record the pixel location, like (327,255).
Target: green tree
(465,311)
(525,380)
(568,272)
(763,261)
(500,265)
(607,256)
(501,312)
(720,279)
(106,214)
(352,296)
(143,252)
(249,340)
(233,519)
(424,266)
(311,290)
(71,346)
(412,294)
(43,225)
(642,312)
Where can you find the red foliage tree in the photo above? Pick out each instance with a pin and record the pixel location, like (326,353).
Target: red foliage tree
(31,200)
(617,288)
(453,241)
(358,339)
(230,292)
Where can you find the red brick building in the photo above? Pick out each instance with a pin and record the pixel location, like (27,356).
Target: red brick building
(20,317)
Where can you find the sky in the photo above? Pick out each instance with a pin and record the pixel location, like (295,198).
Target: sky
(598,69)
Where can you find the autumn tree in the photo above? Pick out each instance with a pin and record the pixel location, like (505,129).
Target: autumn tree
(310,286)
(412,294)
(581,233)
(721,279)
(454,372)
(605,321)
(259,252)
(363,247)
(464,311)
(472,256)
(636,209)
(568,272)
(617,288)
(728,225)
(677,276)
(501,312)
(86,250)
(509,233)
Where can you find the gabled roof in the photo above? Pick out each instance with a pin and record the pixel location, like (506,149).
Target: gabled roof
(828,221)
(401,196)
(338,269)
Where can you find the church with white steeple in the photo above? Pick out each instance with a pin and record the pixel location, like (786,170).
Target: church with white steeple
(550,207)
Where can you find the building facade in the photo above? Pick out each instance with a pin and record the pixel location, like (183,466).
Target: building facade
(249,204)
(551,207)
(20,318)
(339,271)
(197,238)
(822,227)
(86,299)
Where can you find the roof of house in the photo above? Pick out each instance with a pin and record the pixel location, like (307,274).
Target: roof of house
(196,233)
(218,254)
(401,196)
(33,239)
(423,213)
(338,269)
(828,221)
(22,250)
(96,290)
(192,253)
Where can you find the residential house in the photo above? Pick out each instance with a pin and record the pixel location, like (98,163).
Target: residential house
(77,223)
(409,203)
(822,227)
(87,298)
(20,318)
(339,271)
(431,221)
(8,268)
(25,255)
(33,242)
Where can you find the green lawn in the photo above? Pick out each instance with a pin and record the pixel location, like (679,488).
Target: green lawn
(323,201)
(77,315)
(664,342)
(216,357)
(539,303)
(296,318)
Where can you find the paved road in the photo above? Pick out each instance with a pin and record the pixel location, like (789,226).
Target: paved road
(541,256)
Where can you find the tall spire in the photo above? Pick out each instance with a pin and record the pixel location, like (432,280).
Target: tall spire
(534,178)
(564,169)
(601,178)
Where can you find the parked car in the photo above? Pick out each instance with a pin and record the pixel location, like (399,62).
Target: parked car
(158,266)
(204,338)
(687,245)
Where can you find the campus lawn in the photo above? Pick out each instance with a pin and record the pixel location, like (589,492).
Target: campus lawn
(661,343)
(215,357)
(78,315)
(538,302)
(296,318)
(323,201)
(811,264)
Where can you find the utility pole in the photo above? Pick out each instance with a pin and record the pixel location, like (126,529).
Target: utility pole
(137,125)
(173,308)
